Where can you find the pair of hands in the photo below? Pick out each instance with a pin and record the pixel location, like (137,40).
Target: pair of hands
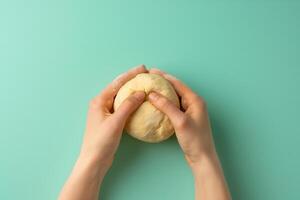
(104,127)
(104,130)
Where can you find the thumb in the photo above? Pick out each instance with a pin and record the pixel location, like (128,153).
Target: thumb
(167,107)
(129,105)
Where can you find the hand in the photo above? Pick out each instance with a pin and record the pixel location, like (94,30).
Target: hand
(191,124)
(104,128)
(194,135)
(101,140)
(104,131)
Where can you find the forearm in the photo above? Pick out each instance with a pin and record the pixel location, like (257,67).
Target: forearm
(85,180)
(210,183)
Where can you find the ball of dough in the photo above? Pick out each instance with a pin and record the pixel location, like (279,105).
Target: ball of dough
(147,123)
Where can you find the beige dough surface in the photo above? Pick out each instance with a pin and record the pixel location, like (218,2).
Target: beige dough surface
(147,123)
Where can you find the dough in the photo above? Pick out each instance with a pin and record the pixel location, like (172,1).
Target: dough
(147,123)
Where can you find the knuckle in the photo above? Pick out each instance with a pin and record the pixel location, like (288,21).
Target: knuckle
(104,93)
(163,102)
(131,100)
(118,78)
(200,102)
(182,122)
(93,103)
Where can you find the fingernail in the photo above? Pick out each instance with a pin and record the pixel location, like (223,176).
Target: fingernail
(140,66)
(153,96)
(139,95)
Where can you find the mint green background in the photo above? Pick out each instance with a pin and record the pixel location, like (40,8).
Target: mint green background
(242,57)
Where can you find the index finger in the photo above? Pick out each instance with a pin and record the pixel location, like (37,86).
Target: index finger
(108,94)
(184,91)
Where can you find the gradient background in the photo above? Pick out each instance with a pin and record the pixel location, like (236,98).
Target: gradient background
(242,57)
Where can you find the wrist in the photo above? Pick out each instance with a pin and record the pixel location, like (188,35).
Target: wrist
(96,167)
(203,161)
(103,161)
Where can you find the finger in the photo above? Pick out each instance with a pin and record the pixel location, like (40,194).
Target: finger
(187,95)
(128,106)
(166,106)
(95,112)
(180,87)
(108,94)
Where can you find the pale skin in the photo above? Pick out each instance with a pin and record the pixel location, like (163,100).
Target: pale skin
(104,130)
